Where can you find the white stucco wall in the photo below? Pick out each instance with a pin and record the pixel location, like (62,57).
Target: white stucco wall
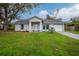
(26,27)
(18,27)
(57,27)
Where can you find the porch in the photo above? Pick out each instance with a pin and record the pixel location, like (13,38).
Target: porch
(35,26)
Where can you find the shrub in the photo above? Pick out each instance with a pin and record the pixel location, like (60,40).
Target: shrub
(11,27)
(51,30)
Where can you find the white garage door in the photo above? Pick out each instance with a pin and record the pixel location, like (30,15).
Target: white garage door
(59,27)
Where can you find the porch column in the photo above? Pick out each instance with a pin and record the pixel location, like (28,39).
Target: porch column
(40,26)
(30,26)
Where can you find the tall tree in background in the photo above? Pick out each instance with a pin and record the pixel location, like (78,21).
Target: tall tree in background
(75,21)
(11,11)
(50,17)
(55,14)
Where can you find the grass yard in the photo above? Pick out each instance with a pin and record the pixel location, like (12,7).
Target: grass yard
(76,32)
(37,44)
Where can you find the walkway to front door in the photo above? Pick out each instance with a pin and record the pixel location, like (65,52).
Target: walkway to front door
(72,35)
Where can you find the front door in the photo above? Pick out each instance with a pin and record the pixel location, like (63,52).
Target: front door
(35,27)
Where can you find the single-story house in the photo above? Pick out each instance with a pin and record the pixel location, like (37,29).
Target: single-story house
(36,24)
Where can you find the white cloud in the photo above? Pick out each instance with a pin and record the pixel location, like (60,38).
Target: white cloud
(67,13)
(43,13)
(64,13)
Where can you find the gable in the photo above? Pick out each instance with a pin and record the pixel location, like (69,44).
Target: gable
(35,18)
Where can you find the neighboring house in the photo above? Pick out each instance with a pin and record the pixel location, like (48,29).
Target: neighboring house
(36,24)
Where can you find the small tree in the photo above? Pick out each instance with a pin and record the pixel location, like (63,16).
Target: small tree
(52,30)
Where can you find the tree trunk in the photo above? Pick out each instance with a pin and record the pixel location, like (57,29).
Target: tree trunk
(6,20)
(5,26)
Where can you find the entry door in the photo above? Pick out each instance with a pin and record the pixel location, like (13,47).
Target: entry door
(35,27)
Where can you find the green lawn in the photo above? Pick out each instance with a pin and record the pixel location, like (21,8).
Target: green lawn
(76,32)
(37,44)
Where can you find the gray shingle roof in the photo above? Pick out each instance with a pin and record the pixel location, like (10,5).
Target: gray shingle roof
(54,21)
(21,22)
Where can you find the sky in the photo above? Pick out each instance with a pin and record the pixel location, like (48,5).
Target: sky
(66,11)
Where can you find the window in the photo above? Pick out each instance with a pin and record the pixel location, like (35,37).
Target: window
(22,26)
(43,26)
(47,27)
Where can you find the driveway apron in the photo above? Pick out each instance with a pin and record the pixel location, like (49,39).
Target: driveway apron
(72,35)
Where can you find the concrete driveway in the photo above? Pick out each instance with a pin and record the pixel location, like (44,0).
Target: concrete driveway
(72,35)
